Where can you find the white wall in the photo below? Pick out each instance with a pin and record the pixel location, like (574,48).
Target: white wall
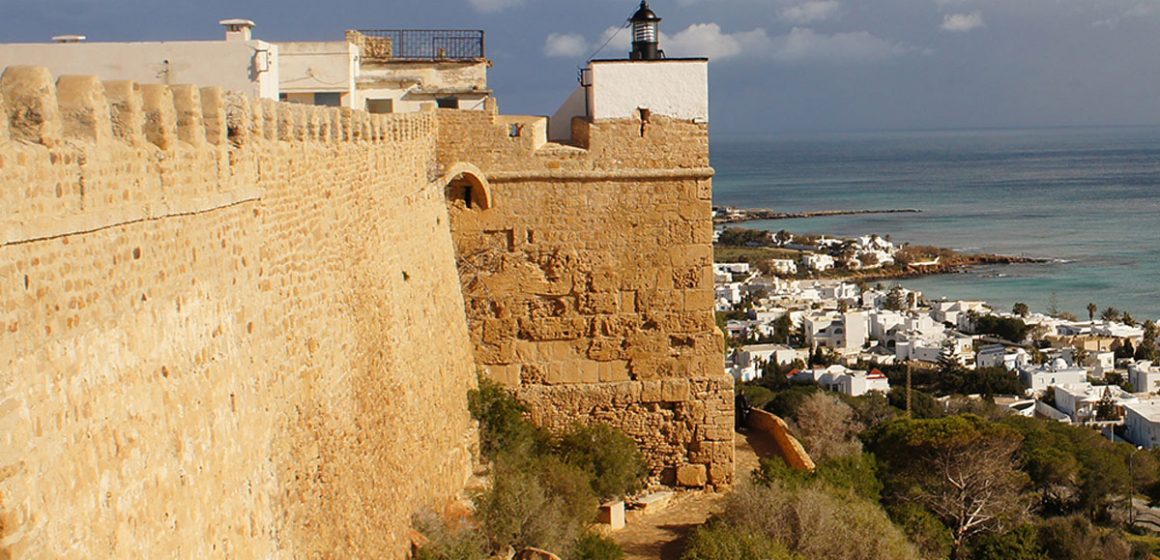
(673,88)
(560,125)
(329,66)
(249,67)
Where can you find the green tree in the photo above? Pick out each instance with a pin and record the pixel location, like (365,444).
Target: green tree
(1125,351)
(1127,319)
(721,541)
(1020,543)
(1009,328)
(1110,314)
(1021,309)
(961,468)
(1091,309)
(895,299)
(609,457)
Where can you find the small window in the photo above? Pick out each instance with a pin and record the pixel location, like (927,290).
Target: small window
(380,106)
(328,99)
(447,102)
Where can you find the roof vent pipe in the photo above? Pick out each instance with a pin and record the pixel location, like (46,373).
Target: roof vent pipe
(68,39)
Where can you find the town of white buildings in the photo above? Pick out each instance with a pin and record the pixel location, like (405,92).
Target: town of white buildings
(1065,366)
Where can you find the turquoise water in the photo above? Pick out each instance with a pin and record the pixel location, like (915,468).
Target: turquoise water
(1086,198)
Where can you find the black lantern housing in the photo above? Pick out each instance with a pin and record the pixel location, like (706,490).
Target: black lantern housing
(645,34)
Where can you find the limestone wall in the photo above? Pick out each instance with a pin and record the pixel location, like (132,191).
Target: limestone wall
(787,446)
(227,327)
(589,282)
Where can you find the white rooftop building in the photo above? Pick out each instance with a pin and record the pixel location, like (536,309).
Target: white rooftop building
(1144,376)
(1080,401)
(849,382)
(1039,378)
(1142,423)
(237,62)
(997,355)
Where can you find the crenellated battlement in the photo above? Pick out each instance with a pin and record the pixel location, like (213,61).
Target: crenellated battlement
(44,111)
(141,151)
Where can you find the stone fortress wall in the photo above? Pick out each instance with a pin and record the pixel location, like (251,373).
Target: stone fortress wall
(227,327)
(245,328)
(589,280)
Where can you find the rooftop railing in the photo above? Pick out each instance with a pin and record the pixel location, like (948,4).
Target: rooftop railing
(426,44)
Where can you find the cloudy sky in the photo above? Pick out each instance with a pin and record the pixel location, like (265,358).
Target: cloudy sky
(778,66)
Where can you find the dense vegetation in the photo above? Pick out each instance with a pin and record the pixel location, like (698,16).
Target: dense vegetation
(544,489)
(958,478)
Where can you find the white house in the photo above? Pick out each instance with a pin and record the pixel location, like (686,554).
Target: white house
(730,292)
(851,382)
(1144,376)
(748,361)
(1101,362)
(1142,423)
(883,322)
(817,262)
(1039,378)
(843,332)
(783,266)
(997,355)
(1080,401)
(740,269)
(957,313)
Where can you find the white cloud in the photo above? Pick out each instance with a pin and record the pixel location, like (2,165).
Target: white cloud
(489,6)
(811,11)
(702,39)
(565,45)
(806,45)
(961,23)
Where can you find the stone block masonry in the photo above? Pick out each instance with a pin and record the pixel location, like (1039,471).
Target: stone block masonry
(589,282)
(227,327)
(241,328)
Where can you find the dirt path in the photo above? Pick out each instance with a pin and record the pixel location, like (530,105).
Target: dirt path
(663,534)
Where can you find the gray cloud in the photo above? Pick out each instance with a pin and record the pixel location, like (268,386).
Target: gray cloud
(811,11)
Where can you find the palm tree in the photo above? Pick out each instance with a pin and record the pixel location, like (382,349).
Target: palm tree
(1091,309)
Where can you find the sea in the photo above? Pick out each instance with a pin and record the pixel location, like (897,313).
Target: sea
(1085,199)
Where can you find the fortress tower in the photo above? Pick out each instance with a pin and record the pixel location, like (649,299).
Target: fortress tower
(587,261)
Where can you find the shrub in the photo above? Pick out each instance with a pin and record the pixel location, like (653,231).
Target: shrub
(448,542)
(1075,538)
(1020,543)
(596,547)
(786,403)
(719,541)
(502,425)
(928,534)
(611,457)
(815,523)
(757,394)
(856,473)
(827,428)
(520,510)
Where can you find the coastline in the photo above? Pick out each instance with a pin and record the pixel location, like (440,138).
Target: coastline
(731,215)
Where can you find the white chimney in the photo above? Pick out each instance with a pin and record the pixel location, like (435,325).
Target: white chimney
(237,29)
(68,39)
